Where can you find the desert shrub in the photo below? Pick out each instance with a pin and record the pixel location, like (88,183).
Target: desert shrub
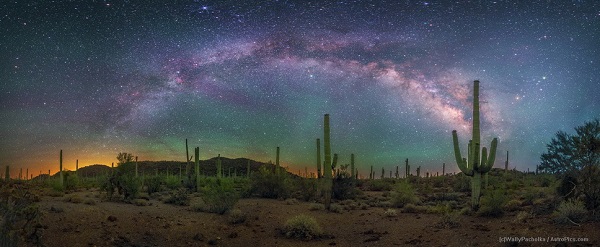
(570,211)
(236,216)
(179,197)
(522,216)
(403,194)
(412,208)
(219,196)
(390,212)
(291,201)
(532,195)
(172,182)
(462,183)
(379,185)
(140,202)
(308,188)
(512,205)
(343,187)
(336,208)
(439,209)
(89,201)
(54,183)
(153,184)
(123,180)
(316,206)
(268,184)
(491,204)
(71,181)
(448,221)
(20,217)
(302,227)
(583,184)
(73,199)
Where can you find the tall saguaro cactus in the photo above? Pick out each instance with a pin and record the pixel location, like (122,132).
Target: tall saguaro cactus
(318,158)
(61,170)
(219,167)
(7,174)
(197,166)
(506,163)
(474,165)
(407,173)
(352,171)
(327,182)
(277,167)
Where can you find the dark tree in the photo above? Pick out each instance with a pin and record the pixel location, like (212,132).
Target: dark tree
(124,158)
(573,152)
(576,160)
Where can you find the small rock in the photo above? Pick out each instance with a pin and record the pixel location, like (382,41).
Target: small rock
(112,218)
(199,237)
(233,235)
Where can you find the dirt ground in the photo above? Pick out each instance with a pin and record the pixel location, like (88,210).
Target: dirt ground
(159,224)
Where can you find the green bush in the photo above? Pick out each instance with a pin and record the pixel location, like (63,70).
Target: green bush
(343,187)
(571,211)
(20,217)
(378,185)
(179,197)
(308,188)
(172,182)
(219,196)
(403,194)
(302,227)
(236,216)
(123,180)
(491,204)
(462,183)
(268,184)
(153,184)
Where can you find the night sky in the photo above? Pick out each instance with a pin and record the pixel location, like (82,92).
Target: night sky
(239,78)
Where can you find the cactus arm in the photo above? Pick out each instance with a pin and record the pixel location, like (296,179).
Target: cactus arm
(491,158)
(462,162)
(482,164)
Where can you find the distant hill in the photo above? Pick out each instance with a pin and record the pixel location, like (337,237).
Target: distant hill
(207,167)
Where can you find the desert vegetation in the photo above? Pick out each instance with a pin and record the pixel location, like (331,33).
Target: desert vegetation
(229,202)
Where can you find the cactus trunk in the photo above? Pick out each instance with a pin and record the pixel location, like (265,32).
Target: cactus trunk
(7,174)
(277,168)
(328,183)
(352,173)
(474,165)
(318,158)
(219,168)
(61,170)
(197,166)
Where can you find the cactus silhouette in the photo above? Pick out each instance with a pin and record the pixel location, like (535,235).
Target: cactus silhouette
(7,174)
(61,170)
(407,173)
(197,166)
(277,162)
(327,183)
(219,168)
(473,165)
(352,173)
(318,158)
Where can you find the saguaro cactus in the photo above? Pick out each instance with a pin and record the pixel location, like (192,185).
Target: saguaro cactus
(371,174)
(328,183)
(277,167)
(7,174)
(506,163)
(444,169)
(61,170)
(136,167)
(475,166)
(419,172)
(318,158)
(407,173)
(352,171)
(197,166)
(219,167)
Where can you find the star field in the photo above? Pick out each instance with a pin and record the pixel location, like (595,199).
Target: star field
(239,79)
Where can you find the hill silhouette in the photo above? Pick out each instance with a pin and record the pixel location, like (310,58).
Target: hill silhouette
(207,167)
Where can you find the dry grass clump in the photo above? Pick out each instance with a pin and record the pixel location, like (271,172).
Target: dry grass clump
(236,216)
(316,207)
(390,212)
(302,227)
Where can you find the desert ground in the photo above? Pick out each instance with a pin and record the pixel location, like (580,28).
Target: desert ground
(439,215)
